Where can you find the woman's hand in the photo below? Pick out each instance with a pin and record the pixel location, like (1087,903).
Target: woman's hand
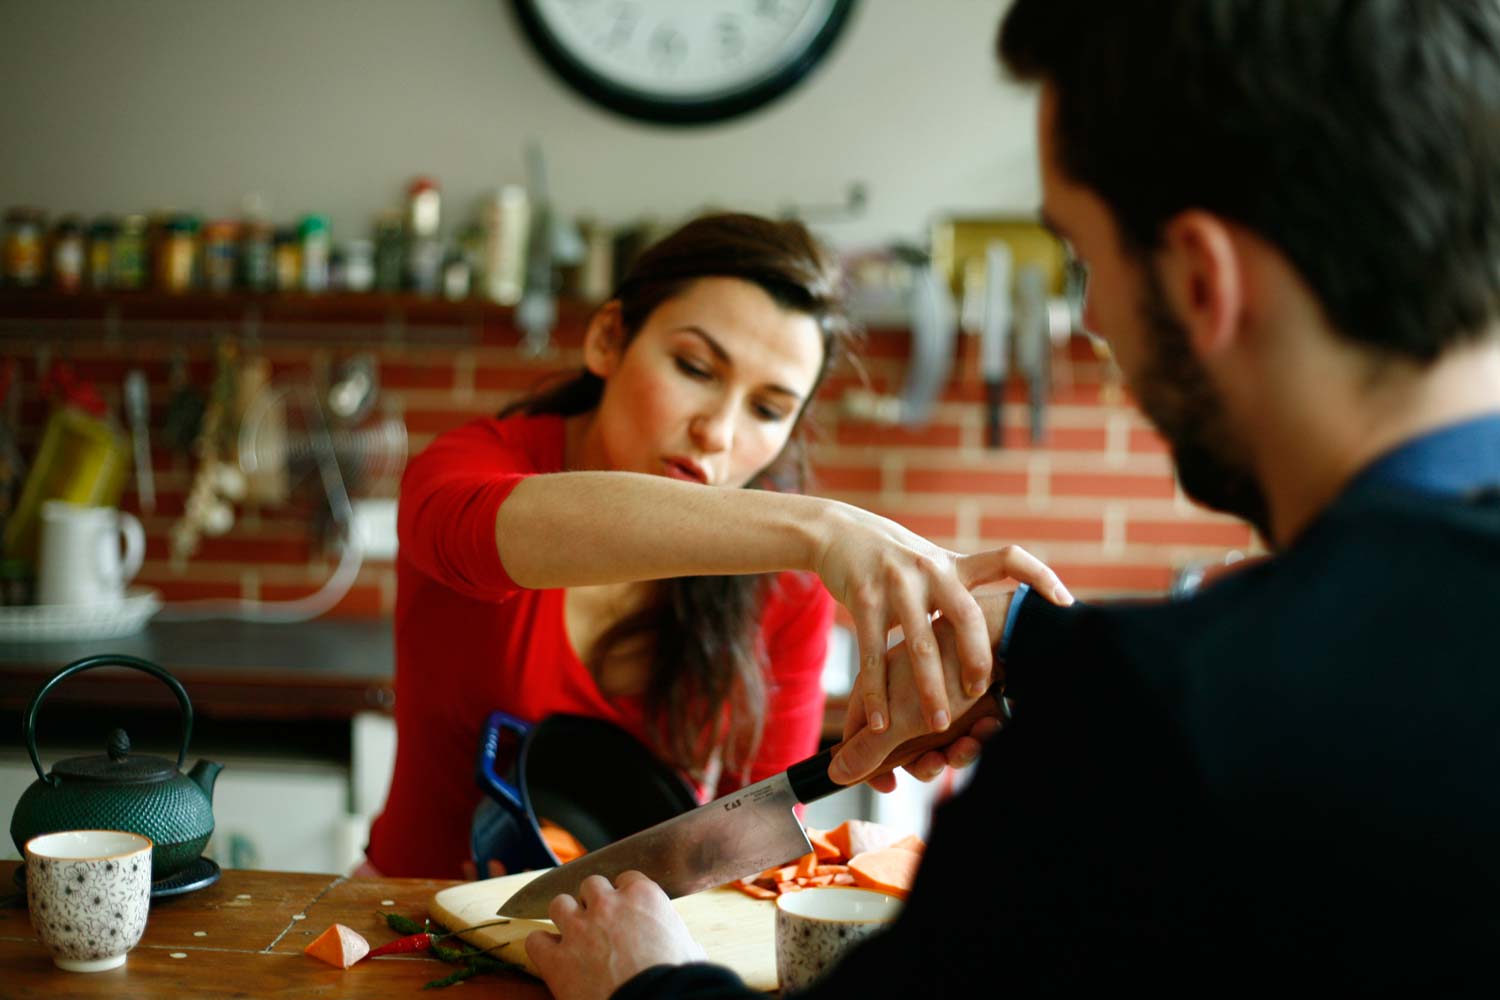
(864,748)
(888,576)
(608,935)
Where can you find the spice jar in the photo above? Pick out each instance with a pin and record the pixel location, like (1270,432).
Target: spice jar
(287,255)
(316,242)
(359,265)
(129,266)
(220,238)
(177,252)
(390,252)
(23,247)
(67,254)
(101,251)
(258,256)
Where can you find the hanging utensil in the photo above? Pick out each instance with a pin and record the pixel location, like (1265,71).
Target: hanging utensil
(138,413)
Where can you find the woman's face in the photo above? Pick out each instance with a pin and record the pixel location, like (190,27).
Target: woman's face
(710,388)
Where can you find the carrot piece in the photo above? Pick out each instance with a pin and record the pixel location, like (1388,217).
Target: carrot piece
(820,880)
(787,874)
(911,842)
(339,946)
(754,891)
(822,846)
(856,836)
(807,865)
(561,842)
(789,887)
(839,838)
(891,870)
(843,879)
(831,870)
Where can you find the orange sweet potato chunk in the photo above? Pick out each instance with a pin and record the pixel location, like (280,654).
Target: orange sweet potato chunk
(890,870)
(339,946)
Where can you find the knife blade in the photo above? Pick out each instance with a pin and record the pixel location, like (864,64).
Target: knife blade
(736,835)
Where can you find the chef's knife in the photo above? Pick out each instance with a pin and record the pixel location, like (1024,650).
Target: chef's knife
(737,835)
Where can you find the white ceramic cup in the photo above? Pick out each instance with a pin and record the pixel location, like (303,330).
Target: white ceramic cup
(80,560)
(815,927)
(88,892)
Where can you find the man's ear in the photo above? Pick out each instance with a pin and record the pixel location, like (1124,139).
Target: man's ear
(1203,276)
(604,341)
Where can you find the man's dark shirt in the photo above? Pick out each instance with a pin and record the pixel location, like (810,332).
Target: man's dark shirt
(1288,782)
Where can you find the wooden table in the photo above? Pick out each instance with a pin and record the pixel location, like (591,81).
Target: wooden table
(243,937)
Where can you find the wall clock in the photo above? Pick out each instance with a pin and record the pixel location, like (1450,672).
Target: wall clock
(682,62)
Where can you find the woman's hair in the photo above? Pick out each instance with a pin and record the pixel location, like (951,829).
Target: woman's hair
(707,687)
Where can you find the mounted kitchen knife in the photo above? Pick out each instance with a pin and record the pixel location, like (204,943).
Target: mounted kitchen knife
(740,834)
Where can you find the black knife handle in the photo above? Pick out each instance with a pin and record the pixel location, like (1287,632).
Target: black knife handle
(809,778)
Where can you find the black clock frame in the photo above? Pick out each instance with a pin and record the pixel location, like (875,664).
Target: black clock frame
(664,111)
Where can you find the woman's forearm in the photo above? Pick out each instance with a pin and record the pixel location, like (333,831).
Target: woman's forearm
(573,529)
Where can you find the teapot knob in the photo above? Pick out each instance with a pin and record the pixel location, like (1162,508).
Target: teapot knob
(119,746)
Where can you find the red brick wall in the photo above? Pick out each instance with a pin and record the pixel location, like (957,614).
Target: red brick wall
(1097,500)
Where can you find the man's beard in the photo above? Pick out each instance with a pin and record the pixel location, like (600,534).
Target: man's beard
(1177,395)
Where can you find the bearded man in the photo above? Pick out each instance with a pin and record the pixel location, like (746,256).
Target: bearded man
(1290,212)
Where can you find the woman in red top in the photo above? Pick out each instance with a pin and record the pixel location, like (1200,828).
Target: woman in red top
(591,551)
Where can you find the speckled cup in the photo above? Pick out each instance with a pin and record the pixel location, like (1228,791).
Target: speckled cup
(88,892)
(815,927)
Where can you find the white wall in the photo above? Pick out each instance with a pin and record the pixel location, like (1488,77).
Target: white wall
(331,105)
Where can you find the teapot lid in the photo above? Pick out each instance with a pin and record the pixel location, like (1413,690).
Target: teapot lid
(116,765)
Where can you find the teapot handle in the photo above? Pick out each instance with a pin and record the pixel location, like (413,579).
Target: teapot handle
(105,660)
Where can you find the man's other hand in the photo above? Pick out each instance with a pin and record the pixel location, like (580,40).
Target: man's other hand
(608,935)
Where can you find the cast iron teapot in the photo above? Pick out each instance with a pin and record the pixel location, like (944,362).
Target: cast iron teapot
(118,790)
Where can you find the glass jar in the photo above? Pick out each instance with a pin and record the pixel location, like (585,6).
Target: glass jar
(258,256)
(316,242)
(287,257)
(67,254)
(359,265)
(129,264)
(101,252)
(23,247)
(220,239)
(390,252)
(177,254)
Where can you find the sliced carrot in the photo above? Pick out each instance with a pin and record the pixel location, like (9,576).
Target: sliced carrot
(339,946)
(822,846)
(754,891)
(807,865)
(820,880)
(831,870)
(562,843)
(788,887)
(787,874)
(844,879)
(839,838)
(891,870)
(911,842)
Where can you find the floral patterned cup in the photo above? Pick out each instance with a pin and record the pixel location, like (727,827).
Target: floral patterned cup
(88,892)
(815,927)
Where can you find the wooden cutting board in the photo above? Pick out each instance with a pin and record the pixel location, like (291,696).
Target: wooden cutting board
(733,929)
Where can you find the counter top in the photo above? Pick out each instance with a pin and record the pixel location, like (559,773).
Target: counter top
(243,936)
(327,668)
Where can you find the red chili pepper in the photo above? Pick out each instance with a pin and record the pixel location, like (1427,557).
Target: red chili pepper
(424,939)
(402,945)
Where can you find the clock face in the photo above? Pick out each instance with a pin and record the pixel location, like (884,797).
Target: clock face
(682,61)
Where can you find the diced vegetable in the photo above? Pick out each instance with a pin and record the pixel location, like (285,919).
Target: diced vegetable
(826,864)
(339,946)
(891,870)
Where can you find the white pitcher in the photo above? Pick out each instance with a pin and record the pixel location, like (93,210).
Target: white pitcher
(79,561)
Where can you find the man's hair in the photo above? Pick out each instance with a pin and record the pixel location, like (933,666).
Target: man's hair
(1360,137)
